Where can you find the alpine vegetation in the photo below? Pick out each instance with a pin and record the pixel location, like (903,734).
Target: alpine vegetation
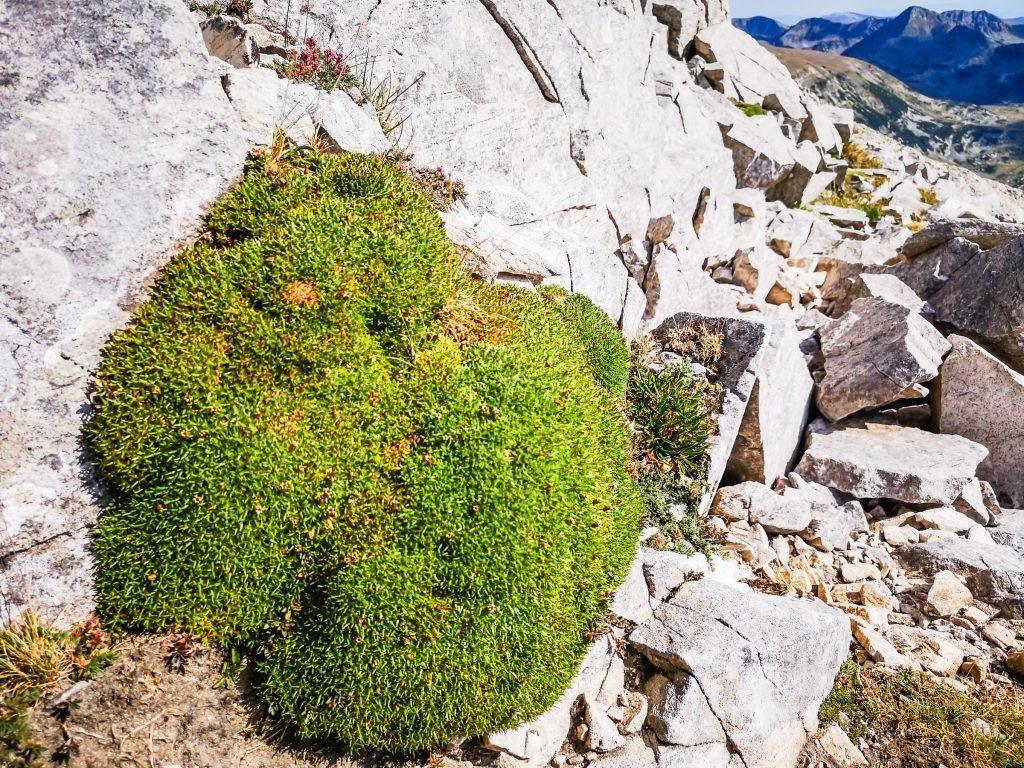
(400,491)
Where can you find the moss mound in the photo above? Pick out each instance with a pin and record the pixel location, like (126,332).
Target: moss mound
(400,491)
(603,345)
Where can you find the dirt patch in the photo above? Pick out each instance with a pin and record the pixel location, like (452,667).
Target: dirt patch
(140,713)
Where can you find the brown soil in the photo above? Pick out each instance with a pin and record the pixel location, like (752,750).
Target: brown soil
(140,713)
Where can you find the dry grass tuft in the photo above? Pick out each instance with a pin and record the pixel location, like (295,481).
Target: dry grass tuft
(468,320)
(300,293)
(697,342)
(858,157)
(32,656)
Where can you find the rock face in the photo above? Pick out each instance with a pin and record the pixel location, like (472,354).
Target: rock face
(731,648)
(985,300)
(874,355)
(139,138)
(891,462)
(537,741)
(984,234)
(982,399)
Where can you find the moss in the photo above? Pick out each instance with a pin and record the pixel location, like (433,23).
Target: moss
(751,110)
(605,349)
(400,492)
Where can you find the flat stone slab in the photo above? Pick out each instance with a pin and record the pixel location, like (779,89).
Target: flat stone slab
(884,461)
(985,234)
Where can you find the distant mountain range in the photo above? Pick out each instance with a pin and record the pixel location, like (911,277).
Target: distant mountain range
(989,139)
(969,56)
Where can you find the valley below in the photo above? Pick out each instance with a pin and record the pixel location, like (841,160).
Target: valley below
(987,139)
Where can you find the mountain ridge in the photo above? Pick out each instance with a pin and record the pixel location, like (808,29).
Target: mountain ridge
(958,55)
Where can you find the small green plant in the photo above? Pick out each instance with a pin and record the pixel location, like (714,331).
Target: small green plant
(398,493)
(915,721)
(848,197)
(602,342)
(239,8)
(17,749)
(385,93)
(751,110)
(928,196)
(439,187)
(672,421)
(35,659)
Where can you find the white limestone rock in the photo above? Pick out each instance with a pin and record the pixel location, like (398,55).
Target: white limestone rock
(873,460)
(947,595)
(537,741)
(104,170)
(230,40)
(875,353)
(763,664)
(982,399)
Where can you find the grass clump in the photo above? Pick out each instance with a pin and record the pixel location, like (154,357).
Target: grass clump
(672,410)
(603,346)
(917,722)
(36,659)
(671,420)
(848,197)
(859,157)
(928,196)
(33,655)
(399,492)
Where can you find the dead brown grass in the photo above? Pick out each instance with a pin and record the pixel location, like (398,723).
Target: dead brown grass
(917,722)
(858,157)
(469,319)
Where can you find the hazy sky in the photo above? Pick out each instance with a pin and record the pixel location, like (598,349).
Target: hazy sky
(800,9)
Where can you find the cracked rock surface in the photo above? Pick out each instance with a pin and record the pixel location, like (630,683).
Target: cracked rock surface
(735,647)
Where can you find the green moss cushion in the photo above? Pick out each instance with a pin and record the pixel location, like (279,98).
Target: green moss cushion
(401,491)
(603,346)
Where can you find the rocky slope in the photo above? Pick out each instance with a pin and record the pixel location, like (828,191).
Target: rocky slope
(989,140)
(863,466)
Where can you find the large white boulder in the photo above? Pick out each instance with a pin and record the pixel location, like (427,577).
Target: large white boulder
(104,169)
(761,664)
